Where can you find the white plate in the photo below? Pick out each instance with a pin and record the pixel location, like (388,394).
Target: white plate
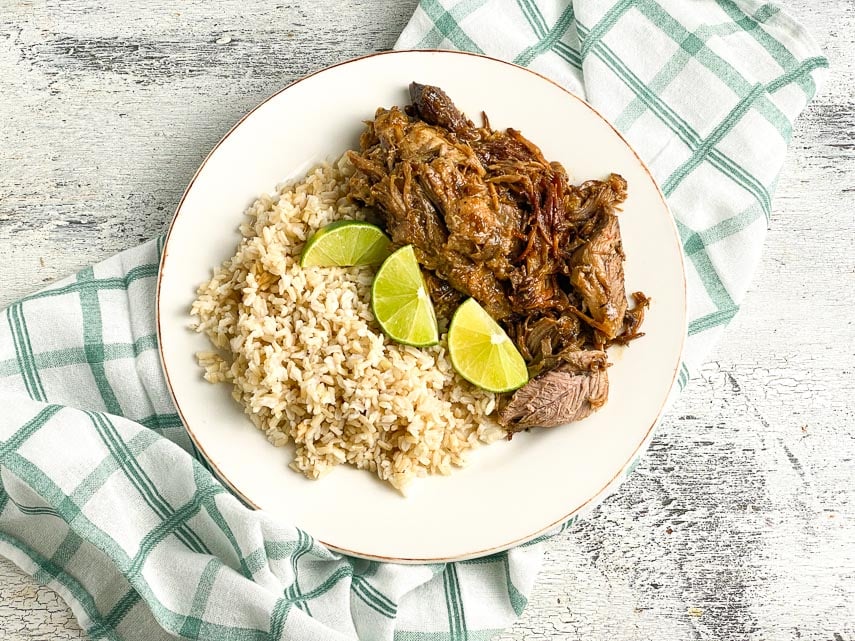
(511,491)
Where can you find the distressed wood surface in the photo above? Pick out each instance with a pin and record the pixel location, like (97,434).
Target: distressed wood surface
(738,524)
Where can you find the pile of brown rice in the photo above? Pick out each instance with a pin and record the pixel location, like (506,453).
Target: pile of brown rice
(308,361)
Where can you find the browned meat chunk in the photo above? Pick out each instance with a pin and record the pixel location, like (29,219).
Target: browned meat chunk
(597,274)
(434,106)
(633,319)
(445,297)
(541,340)
(576,388)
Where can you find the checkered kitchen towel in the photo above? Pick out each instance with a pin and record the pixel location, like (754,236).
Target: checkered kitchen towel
(101,494)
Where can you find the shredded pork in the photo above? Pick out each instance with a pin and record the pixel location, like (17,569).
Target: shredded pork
(490,217)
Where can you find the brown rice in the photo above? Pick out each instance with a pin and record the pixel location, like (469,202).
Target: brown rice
(310,365)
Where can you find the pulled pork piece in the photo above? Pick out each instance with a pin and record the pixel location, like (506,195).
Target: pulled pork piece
(541,340)
(445,298)
(433,105)
(574,389)
(597,274)
(633,319)
(490,217)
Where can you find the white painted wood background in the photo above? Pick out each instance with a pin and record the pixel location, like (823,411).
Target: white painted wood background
(738,524)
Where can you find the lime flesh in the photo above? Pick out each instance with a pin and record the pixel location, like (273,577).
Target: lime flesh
(346,243)
(401,303)
(481,351)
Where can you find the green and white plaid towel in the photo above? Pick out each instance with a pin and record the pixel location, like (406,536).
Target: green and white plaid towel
(102,496)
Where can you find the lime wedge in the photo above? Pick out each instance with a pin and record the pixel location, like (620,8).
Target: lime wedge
(345,243)
(401,303)
(482,353)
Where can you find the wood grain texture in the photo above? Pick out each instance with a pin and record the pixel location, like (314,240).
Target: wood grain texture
(738,524)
